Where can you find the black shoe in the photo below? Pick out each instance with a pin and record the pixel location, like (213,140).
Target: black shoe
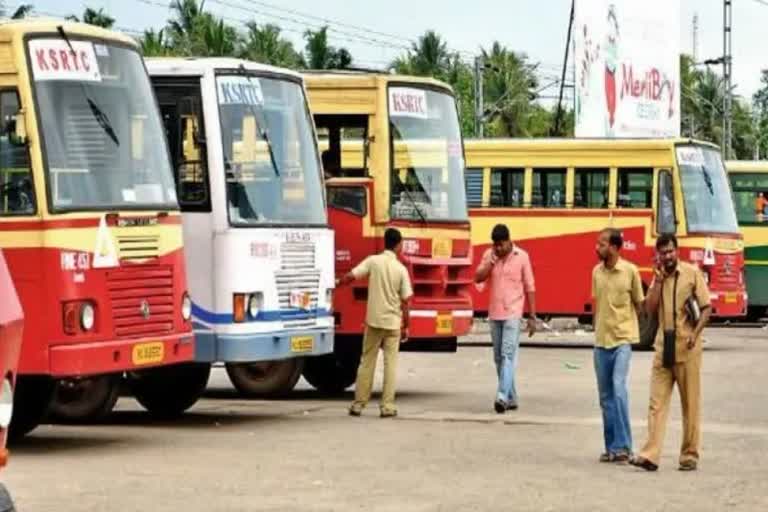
(512,406)
(500,406)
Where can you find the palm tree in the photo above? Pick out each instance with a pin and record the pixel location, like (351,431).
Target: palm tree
(319,54)
(154,44)
(98,18)
(219,39)
(22,11)
(264,43)
(509,91)
(187,15)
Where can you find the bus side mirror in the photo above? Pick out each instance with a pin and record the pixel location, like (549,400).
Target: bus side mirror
(16,129)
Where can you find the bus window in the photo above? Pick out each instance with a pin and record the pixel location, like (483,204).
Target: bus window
(180,106)
(635,188)
(473,182)
(16,188)
(350,199)
(548,188)
(666,222)
(591,188)
(750,196)
(507,187)
(343,145)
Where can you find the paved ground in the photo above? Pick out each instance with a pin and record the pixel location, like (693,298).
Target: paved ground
(446,452)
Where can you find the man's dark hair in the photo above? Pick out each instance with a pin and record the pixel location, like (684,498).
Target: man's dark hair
(666,239)
(500,233)
(614,238)
(392,238)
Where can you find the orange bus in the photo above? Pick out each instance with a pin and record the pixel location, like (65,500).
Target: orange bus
(556,195)
(393,156)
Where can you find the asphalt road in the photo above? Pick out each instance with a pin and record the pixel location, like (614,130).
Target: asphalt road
(446,451)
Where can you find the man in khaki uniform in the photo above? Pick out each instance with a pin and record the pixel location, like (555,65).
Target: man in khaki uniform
(676,283)
(386,321)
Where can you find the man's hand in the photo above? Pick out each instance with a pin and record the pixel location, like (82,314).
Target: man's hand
(660,273)
(691,342)
(532,326)
(404,334)
(494,258)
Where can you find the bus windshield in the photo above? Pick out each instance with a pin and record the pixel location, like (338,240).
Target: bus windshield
(706,194)
(750,195)
(270,156)
(427,156)
(103,143)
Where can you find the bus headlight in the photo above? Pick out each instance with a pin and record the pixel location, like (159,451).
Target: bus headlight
(329,298)
(255,304)
(186,307)
(6,404)
(87,316)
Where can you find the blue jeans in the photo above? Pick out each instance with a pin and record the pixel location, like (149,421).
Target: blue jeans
(505,335)
(611,369)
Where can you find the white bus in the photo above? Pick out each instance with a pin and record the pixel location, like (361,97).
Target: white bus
(259,250)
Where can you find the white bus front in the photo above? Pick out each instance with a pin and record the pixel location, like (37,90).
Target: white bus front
(258,247)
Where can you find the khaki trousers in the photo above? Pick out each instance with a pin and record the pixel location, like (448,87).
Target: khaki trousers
(373,340)
(687,375)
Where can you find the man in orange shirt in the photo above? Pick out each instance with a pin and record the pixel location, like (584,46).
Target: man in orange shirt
(508,268)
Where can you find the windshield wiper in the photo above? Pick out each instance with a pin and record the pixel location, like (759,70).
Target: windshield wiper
(414,204)
(98,114)
(262,131)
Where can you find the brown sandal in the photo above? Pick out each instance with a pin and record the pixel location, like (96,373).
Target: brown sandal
(640,462)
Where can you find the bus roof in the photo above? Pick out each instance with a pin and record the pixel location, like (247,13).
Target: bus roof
(751,166)
(358,79)
(13,28)
(586,144)
(199,65)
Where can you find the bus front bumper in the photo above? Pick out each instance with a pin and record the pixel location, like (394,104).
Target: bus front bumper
(438,324)
(102,357)
(213,347)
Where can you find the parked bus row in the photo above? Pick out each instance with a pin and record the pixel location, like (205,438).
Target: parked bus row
(160,217)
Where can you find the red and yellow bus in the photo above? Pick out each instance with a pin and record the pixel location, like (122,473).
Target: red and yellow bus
(556,195)
(393,156)
(89,225)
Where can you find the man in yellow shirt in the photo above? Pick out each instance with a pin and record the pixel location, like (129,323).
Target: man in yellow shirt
(680,297)
(386,321)
(618,294)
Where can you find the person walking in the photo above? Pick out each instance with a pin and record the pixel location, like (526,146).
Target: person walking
(386,321)
(508,268)
(680,298)
(617,291)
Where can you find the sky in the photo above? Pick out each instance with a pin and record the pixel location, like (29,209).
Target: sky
(377,31)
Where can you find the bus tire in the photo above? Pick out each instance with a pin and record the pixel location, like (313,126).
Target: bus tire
(31,401)
(168,391)
(6,503)
(649,325)
(332,373)
(85,400)
(265,378)
(756,313)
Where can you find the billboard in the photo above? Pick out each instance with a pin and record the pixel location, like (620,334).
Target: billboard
(627,56)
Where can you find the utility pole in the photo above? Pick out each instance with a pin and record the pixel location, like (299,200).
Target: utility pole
(727,78)
(695,48)
(559,112)
(479,97)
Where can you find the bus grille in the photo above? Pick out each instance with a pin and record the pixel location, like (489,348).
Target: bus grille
(133,288)
(138,247)
(288,281)
(297,256)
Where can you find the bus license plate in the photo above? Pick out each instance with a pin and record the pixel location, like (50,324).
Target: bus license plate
(442,248)
(148,353)
(302,344)
(444,323)
(730,298)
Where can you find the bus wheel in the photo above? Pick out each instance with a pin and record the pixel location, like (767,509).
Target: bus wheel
(31,401)
(168,391)
(756,313)
(332,373)
(648,327)
(265,378)
(6,503)
(85,400)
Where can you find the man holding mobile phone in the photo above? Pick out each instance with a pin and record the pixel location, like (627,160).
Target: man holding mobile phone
(678,353)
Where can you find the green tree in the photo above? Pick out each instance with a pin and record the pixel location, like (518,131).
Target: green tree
(429,56)
(93,17)
(154,44)
(319,54)
(22,11)
(182,26)
(760,102)
(264,43)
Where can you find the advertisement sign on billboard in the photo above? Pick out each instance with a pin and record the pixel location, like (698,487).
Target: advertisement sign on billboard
(627,68)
